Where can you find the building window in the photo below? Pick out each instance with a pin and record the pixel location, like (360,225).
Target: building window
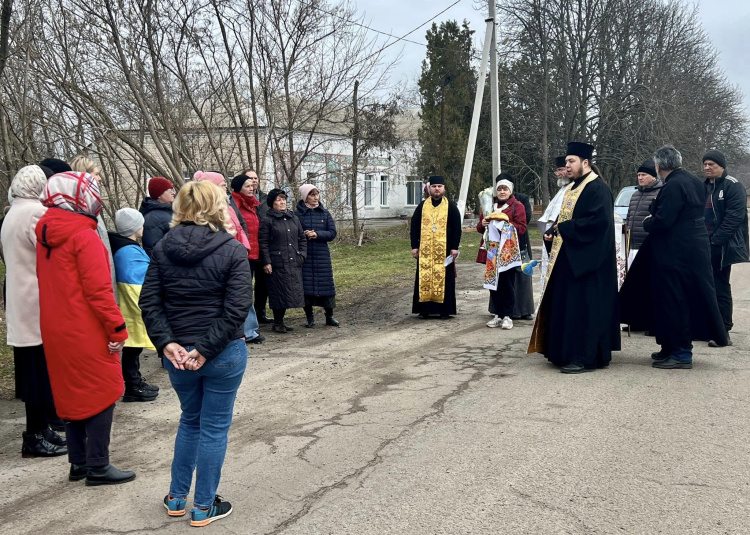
(414,188)
(368,190)
(383,190)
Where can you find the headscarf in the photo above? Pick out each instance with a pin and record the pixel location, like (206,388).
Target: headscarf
(73,191)
(215,178)
(28,183)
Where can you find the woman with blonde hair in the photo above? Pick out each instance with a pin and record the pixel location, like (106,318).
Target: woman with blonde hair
(195,299)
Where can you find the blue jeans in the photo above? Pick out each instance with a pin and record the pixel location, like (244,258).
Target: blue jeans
(251,325)
(207,401)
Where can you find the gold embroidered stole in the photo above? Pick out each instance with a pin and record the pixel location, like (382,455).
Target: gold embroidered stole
(432,251)
(536,343)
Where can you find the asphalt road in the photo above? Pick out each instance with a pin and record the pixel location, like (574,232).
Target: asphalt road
(394,425)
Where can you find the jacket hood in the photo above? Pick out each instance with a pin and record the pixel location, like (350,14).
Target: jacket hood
(188,244)
(57,226)
(656,185)
(149,205)
(117,242)
(302,207)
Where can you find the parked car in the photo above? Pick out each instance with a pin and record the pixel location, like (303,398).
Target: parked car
(623,201)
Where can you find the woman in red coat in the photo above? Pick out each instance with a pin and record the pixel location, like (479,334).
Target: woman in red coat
(82,329)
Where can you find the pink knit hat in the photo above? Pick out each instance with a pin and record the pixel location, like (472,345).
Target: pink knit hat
(304,191)
(215,178)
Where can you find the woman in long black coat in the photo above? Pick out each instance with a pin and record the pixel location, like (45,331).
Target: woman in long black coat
(283,249)
(317,271)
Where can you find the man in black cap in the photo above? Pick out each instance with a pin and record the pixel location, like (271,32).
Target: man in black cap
(649,186)
(577,326)
(435,236)
(549,217)
(726,222)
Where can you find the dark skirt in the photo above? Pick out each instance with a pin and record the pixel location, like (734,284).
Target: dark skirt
(524,290)
(32,379)
(325,301)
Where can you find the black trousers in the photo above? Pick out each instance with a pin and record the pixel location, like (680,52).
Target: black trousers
(131,366)
(261,290)
(88,440)
(503,300)
(723,288)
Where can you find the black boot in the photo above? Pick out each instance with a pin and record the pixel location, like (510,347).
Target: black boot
(310,321)
(139,393)
(78,472)
(107,475)
(331,321)
(54,438)
(279,328)
(38,446)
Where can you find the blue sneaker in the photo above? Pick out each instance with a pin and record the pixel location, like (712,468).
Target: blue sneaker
(175,506)
(219,509)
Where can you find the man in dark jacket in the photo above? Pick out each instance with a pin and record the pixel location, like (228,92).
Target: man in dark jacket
(157,211)
(673,265)
(726,222)
(649,186)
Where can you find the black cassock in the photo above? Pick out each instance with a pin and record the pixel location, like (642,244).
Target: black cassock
(669,289)
(453,238)
(579,309)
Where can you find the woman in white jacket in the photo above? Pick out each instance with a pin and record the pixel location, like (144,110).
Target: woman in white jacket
(22,313)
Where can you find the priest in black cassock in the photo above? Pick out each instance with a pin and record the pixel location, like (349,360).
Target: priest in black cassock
(577,326)
(435,236)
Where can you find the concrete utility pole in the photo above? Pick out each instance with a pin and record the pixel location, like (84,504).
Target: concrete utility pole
(489,50)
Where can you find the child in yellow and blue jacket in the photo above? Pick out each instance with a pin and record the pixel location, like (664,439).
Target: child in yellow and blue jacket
(131,264)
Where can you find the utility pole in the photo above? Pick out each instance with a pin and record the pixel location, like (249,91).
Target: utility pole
(494,104)
(355,159)
(441,169)
(469,160)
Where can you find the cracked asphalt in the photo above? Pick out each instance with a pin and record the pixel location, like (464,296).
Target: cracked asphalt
(394,425)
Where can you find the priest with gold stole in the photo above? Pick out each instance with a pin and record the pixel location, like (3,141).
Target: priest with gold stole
(577,326)
(435,235)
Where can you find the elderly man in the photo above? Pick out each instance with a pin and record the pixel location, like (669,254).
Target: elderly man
(435,236)
(553,211)
(649,186)
(577,324)
(726,222)
(674,264)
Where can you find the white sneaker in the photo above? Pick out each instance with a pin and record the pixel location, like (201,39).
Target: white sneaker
(494,322)
(507,323)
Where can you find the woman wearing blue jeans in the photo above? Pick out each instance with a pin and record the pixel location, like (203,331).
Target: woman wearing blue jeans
(195,299)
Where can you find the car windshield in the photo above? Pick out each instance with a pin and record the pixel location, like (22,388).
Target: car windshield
(623,199)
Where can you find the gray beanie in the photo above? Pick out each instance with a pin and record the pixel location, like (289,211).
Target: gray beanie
(128,221)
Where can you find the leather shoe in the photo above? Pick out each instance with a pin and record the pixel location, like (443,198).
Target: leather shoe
(672,364)
(331,321)
(54,438)
(138,393)
(257,340)
(575,368)
(711,343)
(78,472)
(107,475)
(281,328)
(658,355)
(38,446)
(311,322)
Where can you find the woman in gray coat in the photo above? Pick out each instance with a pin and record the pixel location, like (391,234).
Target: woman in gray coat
(283,249)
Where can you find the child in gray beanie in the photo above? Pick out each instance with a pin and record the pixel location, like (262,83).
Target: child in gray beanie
(131,263)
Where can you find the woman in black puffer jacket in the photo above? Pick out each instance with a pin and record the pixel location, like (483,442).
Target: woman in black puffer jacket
(194,301)
(283,249)
(317,271)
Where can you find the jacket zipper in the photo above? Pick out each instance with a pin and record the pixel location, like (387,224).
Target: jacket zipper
(713,207)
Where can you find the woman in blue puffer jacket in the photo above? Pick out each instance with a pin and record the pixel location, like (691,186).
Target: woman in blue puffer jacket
(317,271)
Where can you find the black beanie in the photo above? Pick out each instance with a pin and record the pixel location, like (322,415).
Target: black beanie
(238,182)
(505,176)
(55,165)
(275,192)
(649,168)
(716,156)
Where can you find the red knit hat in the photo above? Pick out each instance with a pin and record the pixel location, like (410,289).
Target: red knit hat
(157,186)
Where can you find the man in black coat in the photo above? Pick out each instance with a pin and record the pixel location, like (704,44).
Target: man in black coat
(674,264)
(157,211)
(726,222)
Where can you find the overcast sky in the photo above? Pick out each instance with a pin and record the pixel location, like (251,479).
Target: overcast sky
(727,23)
